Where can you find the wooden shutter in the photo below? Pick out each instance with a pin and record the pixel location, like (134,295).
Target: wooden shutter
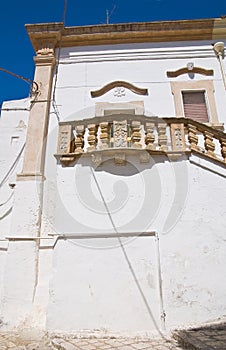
(195,106)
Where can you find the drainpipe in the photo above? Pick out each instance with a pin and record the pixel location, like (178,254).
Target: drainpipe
(219,51)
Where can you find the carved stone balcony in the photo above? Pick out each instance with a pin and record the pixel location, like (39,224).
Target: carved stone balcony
(119,135)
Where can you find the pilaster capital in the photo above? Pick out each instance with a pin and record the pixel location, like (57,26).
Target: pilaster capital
(45,59)
(45,49)
(45,41)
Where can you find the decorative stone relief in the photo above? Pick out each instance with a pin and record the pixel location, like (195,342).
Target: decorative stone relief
(45,51)
(119,91)
(177,136)
(120,133)
(64,139)
(64,142)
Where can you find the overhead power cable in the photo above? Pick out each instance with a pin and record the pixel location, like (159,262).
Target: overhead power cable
(57,64)
(133,273)
(12,166)
(32,83)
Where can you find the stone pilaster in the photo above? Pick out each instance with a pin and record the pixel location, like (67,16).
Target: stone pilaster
(34,156)
(23,260)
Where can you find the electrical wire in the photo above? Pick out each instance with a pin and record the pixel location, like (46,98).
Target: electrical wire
(127,258)
(12,166)
(15,109)
(34,86)
(57,65)
(1,204)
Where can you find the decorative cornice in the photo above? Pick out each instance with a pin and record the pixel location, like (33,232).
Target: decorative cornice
(186,70)
(165,31)
(44,37)
(114,84)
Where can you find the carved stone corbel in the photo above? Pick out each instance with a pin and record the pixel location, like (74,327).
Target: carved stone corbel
(96,159)
(120,158)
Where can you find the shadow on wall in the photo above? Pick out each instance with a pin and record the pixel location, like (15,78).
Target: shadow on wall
(132,196)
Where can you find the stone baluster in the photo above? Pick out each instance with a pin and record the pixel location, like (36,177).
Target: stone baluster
(150,137)
(79,139)
(136,134)
(162,137)
(104,135)
(223,148)
(92,137)
(192,137)
(209,144)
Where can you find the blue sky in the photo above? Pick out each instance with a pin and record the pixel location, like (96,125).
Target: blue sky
(17,52)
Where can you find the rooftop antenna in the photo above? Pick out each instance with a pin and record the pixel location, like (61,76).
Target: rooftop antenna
(108,15)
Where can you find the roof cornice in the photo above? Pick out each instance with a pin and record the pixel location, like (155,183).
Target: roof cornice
(164,31)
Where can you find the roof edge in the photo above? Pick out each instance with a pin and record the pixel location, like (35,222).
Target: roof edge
(158,31)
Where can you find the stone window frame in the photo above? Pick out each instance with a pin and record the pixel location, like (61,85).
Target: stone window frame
(107,108)
(201,85)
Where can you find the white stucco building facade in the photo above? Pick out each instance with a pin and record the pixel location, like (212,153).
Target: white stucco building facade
(112,213)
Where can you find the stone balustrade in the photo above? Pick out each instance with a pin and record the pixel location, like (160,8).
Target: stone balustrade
(121,134)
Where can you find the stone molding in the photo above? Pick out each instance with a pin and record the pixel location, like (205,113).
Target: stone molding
(109,108)
(162,31)
(119,83)
(30,177)
(186,70)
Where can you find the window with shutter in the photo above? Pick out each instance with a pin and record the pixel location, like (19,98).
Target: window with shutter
(194,103)
(195,100)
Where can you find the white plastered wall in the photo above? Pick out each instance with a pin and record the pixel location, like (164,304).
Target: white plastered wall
(181,201)
(13,128)
(184,218)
